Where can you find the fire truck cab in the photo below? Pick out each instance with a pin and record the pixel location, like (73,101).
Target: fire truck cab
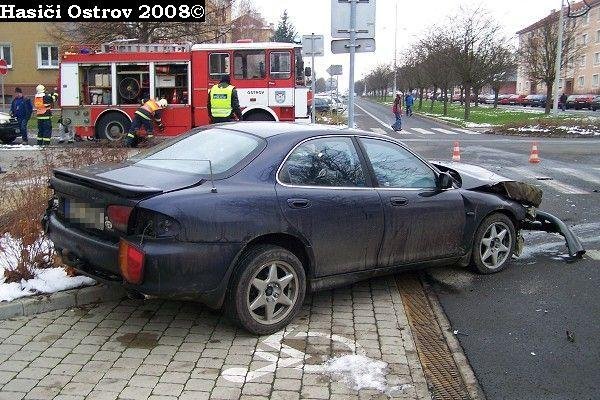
(101,90)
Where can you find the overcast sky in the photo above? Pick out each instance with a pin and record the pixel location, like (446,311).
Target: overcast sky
(413,17)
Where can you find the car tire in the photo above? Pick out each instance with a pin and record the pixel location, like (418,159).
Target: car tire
(112,126)
(494,244)
(258,116)
(8,140)
(276,295)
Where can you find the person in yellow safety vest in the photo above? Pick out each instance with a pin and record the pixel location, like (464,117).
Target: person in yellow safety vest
(223,102)
(43,103)
(145,116)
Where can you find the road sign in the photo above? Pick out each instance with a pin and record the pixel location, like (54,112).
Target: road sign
(313,45)
(340,19)
(3,67)
(334,70)
(341,46)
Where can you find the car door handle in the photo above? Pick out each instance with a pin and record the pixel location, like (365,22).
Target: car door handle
(399,201)
(298,203)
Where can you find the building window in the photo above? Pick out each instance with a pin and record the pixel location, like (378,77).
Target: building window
(595,81)
(582,61)
(47,55)
(586,18)
(584,39)
(598,33)
(581,81)
(6,54)
(560,83)
(597,59)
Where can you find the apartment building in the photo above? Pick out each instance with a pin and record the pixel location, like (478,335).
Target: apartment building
(581,75)
(31,55)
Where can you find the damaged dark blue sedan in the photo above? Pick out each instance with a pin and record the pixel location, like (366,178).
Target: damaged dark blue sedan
(251,216)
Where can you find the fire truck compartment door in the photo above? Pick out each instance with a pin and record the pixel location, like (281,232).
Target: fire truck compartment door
(281,97)
(69,84)
(252,97)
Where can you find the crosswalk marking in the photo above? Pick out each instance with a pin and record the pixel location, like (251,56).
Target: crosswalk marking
(554,184)
(379,130)
(446,131)
(423,131)
(468,132)
(579,174)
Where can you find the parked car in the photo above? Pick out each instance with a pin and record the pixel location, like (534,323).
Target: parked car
(504,98)
(281,209)
(322,104)
(516,99)
(535,100)
(579,101)
(9,128)
(596,103)
(487,99)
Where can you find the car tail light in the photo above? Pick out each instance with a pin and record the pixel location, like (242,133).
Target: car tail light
(118,216)
(131,262)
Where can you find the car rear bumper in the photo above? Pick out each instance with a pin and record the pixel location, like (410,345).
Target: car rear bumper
(172,269)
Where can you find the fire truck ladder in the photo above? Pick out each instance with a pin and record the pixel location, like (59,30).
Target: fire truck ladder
(125,47)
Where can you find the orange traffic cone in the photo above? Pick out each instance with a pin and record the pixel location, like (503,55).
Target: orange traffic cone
(534,158)
(456,152)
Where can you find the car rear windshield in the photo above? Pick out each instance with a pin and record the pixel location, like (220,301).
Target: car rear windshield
(191,153)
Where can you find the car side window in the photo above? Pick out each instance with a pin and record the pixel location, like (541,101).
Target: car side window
(396,167)
(331,161)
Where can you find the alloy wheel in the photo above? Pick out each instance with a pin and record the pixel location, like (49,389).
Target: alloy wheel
(495,245)
(272,292)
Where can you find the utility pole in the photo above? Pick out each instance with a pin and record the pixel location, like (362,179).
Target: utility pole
(395,50)
(313,117)
(559,49)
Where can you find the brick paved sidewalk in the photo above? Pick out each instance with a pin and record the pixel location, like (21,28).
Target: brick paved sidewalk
(175,350)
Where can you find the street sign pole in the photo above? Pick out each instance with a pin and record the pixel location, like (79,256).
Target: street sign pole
(352,54)
(313,81)
(3,99)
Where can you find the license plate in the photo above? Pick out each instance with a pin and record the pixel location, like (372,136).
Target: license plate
(84,214)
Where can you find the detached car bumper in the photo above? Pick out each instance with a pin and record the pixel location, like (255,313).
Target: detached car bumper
(172,269)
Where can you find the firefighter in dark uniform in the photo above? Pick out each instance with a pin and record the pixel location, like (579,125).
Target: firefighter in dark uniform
(223,102)
(43,110)
(145,116)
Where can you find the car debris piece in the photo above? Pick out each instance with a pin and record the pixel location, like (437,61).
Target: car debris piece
(570,336)
(549,223)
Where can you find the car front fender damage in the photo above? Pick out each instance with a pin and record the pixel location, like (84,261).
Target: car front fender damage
(478,179)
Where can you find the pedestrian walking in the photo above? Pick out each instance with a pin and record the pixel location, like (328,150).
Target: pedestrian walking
(21,108)
(409,101)
(43,103)
(145,116)
(563,102)
(397,110)
(223,102)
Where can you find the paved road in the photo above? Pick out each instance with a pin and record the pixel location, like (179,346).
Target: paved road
(513,325)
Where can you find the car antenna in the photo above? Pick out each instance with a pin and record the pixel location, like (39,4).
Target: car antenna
(213,189)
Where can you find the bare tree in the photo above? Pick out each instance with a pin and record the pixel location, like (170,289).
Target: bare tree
(439,52)
(380,79)
(538,52)
(475,35)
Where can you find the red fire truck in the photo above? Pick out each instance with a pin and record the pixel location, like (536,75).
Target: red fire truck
(100,90)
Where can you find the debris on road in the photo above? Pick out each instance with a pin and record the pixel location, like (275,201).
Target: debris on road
(570,336)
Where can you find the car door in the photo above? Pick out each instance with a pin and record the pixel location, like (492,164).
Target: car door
(326,197)
(421,222)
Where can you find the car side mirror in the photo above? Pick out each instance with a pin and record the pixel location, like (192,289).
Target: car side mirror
(307,71)
(445,181)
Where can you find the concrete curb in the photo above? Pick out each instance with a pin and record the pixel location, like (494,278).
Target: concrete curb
(468,376)
(65,299)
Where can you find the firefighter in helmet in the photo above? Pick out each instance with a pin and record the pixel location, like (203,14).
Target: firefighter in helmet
(145,116)
(223,102)
(43,103)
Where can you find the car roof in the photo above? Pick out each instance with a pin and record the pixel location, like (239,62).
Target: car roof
(270,129)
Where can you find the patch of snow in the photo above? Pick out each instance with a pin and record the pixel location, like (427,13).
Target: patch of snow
(19,147)
(475,125)
(47,280)
(361,372)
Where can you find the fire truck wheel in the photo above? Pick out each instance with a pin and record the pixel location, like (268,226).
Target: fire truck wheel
(258,116)
(112,126)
